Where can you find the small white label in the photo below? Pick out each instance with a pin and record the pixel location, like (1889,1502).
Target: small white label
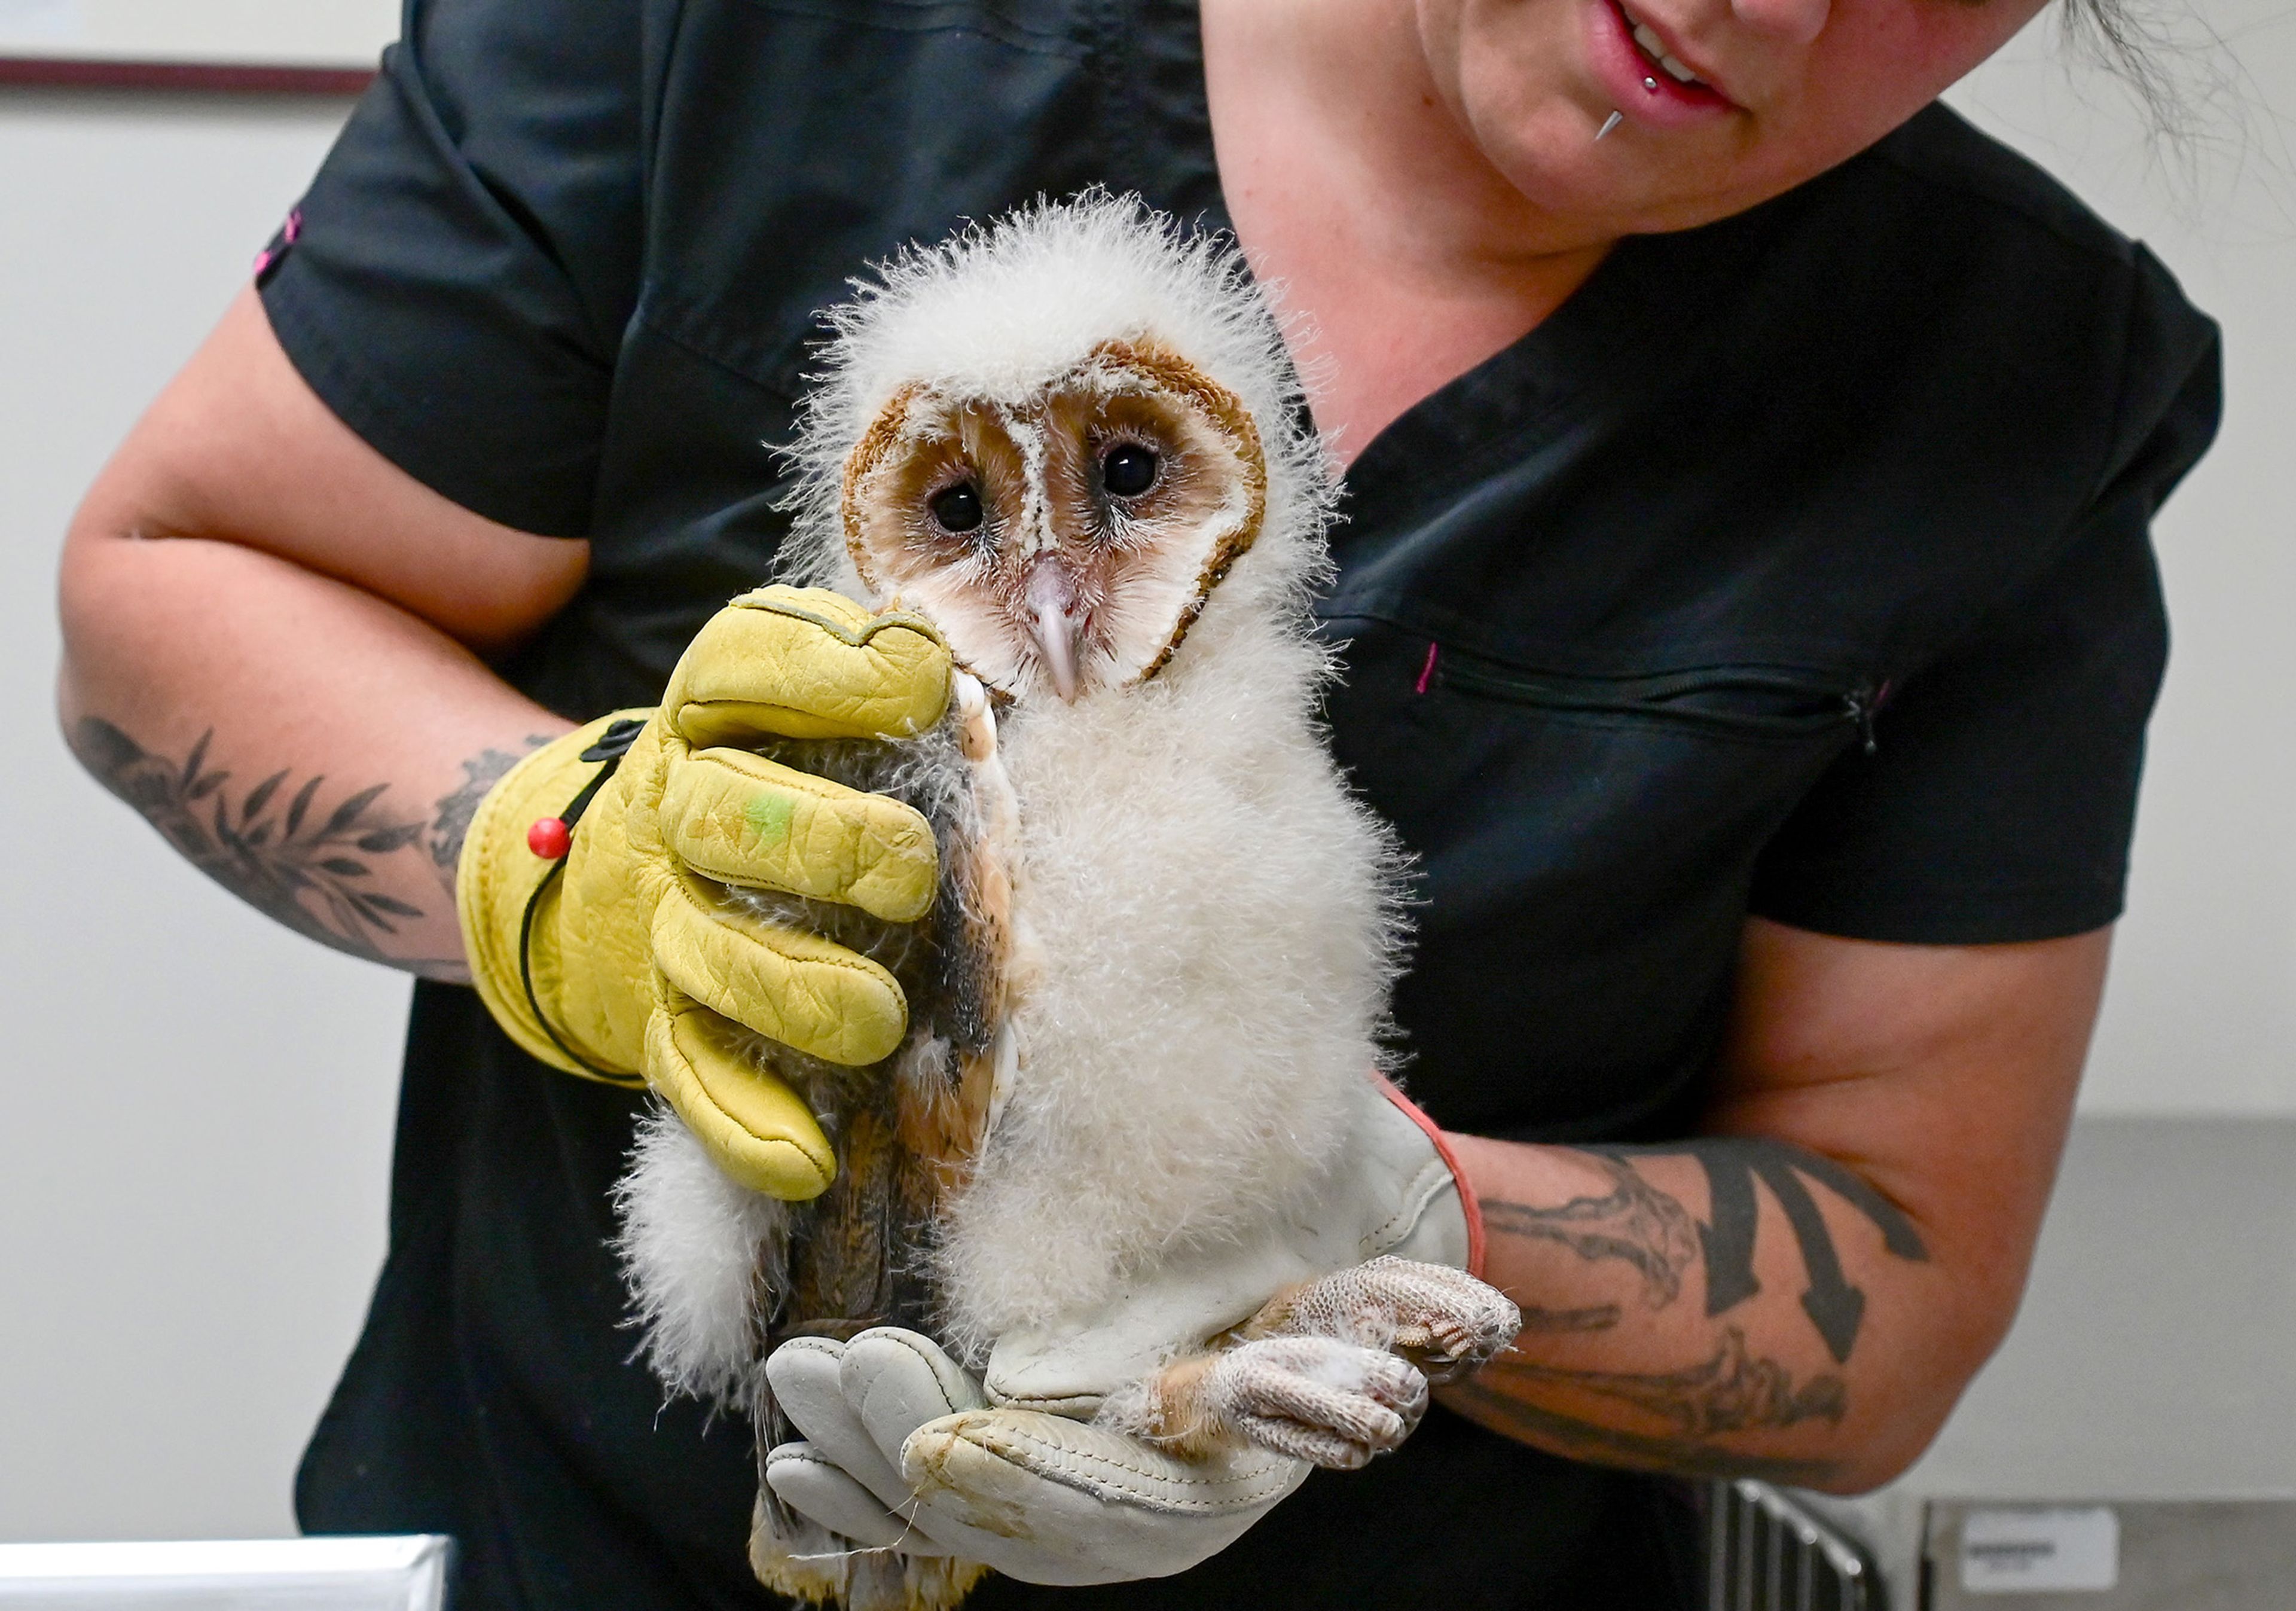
(2032,1551)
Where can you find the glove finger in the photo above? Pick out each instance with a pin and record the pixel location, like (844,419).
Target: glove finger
(795,662)
(819,1490)
(1051,1500)
(787,986)
(742,820)
(803,1375)
(756,1128)
(897,1380)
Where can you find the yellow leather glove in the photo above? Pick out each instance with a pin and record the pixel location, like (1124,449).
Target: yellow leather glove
(628,962)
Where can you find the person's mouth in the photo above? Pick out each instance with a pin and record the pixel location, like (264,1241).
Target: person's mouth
(1668,86)
(1646,39)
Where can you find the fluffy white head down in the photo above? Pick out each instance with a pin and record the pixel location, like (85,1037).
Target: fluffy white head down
(1216,916)
(997,313)
(691,1245)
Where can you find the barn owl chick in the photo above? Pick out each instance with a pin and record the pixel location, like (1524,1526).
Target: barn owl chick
(1146,1005)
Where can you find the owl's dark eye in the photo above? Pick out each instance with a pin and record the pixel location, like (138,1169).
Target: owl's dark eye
(1128,470)
(957,508)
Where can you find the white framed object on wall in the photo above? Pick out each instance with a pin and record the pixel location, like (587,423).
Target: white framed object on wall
(381,1573)
(325,46)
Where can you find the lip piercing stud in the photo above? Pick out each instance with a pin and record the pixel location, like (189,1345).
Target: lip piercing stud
(1650,86)
(1610,123)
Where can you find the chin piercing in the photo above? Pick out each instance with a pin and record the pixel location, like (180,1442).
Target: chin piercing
(1610,123)
(1650,86)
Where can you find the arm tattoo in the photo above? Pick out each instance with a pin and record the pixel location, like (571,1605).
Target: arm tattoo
(1635,1222)
(1557,1322)
(310,869)
(452,824)
(1731,1392)
(1608,1445)
(1733,1164)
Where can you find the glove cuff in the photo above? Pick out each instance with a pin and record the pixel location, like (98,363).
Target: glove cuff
(1470,1205)
(500,879)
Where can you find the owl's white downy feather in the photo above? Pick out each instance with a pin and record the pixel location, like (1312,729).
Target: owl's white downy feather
(690,1241)
(1215,914)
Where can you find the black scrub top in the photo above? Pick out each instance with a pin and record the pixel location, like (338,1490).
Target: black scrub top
(1796,566)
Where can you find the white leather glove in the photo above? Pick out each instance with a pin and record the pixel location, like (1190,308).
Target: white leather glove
(903,1450)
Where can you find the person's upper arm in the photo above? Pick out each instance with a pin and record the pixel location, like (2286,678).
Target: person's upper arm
(239,449)
(1923,969)
(423,383)
(1943,1075)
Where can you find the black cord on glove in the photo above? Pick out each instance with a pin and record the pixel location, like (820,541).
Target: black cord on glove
(611,746)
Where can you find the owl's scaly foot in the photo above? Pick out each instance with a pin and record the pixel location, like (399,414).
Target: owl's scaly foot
(1316,1399)
(1333,1371)
(1444,1320)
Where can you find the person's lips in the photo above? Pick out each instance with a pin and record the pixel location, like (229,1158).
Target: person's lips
(1648,73)
(1654,45)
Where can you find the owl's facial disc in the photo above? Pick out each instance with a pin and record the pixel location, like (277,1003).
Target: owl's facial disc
(1064,541)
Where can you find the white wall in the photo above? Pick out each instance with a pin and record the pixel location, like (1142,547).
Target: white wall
(198,1125)
(192,1172)
(2201,1012)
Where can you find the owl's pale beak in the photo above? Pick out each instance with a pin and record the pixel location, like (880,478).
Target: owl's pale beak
(1056,620)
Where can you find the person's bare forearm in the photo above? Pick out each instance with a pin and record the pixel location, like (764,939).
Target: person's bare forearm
(1728,1306)
(314,750)
(1802,1292)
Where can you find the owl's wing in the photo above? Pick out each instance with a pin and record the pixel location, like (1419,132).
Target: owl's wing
(977,952)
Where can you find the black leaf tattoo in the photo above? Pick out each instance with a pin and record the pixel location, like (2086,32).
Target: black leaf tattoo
(282,865)
(347,815)
(386,903)
(193,786)
(383,840)
(295,812)
(260,796)
(452,824)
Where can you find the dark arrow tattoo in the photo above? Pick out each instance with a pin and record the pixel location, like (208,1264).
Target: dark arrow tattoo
(1732,1164)
(1833,1305)
(1727,1237)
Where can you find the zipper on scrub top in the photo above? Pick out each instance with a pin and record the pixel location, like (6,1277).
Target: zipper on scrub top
(1743,699)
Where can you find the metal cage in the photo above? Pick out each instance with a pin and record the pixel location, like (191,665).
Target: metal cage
(1766,1552)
